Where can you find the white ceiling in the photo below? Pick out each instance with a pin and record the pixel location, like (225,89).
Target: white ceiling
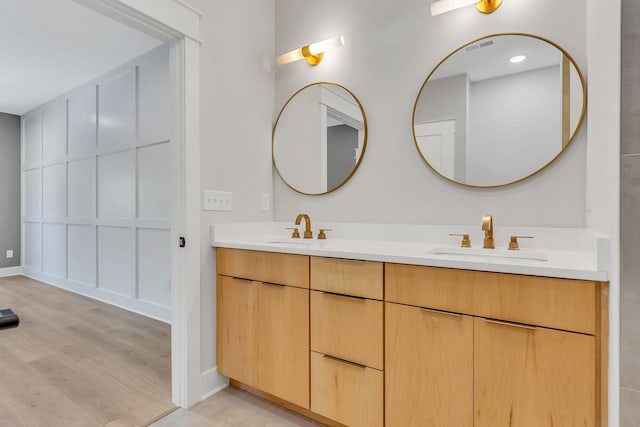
(493,61)
(48,47)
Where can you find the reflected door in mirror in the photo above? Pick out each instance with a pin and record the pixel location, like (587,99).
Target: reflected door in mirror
(515,101)
(319,138)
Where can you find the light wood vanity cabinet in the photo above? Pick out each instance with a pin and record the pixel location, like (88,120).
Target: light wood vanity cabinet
(493,350)
(368,344)
(263,327)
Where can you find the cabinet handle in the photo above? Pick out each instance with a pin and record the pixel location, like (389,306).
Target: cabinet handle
(273,284)
(358,365)
(514,325)
(342,295)
(444,313)
(240,279)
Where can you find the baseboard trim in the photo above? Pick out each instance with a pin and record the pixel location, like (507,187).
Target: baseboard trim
(10,271)
(212,382)
(152,311)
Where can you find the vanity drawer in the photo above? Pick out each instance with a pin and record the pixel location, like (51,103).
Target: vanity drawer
(349,277)
(284,269)
(345,392)
(350,328)
(555,303)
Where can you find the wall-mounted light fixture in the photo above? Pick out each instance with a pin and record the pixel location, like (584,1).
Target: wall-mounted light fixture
(483,6)
(313,52)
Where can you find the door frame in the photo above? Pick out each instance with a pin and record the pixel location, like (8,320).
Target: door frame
(177,24)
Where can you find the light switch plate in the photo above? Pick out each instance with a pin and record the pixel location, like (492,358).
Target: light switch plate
(264,202)
(217,200)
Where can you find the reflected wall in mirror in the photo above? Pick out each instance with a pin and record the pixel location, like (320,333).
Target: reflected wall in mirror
(319,138)
(499,109)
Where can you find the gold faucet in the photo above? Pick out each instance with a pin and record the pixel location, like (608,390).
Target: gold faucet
(487,226)
(307,229)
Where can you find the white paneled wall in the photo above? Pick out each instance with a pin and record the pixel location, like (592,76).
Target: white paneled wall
(96,193)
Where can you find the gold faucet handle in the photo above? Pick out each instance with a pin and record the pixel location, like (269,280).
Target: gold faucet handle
(466,242)
(321,233)
(513,242)
(295,234)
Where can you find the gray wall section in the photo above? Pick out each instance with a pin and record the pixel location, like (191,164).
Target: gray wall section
(342,142)
(9,189)
(630,213)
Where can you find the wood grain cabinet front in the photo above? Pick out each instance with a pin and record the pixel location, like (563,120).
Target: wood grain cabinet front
(367,344)
(533,377)
(429,368)
(347,327)
(237,339)
(468,348)
(348,393)
(283,342)
(347,277)
(262,327)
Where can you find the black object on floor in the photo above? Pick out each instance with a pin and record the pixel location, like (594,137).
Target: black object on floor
(8,319)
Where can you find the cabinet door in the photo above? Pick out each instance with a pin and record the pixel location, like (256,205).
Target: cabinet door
(237,346)
(533,377)
(283,342)
(429,368)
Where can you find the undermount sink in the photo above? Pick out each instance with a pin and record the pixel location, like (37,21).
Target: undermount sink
(489,253)
(291,242)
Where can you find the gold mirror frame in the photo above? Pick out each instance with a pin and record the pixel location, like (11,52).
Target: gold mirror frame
(364,144)
(570,140)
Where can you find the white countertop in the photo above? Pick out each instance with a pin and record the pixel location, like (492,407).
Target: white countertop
(571,253)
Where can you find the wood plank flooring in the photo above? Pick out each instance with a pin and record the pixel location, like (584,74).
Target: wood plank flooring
(233,407)
(74,361)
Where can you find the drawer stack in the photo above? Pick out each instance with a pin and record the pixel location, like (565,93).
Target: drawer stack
(347,347)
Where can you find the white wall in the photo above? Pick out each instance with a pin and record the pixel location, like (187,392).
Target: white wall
(502,146)
(444,99)
(299,160)
(603,162)
(96,199)
(236,100)
(390,48)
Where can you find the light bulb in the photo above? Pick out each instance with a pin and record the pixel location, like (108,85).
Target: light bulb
(443,6)
(325,45)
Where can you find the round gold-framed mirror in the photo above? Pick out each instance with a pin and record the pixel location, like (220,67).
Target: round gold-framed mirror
(319,138)
(499,109)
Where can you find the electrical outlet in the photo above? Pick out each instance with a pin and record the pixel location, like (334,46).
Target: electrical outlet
(217,200)
(264,202)
(10,253)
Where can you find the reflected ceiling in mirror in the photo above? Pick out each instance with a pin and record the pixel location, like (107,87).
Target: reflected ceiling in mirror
(498,110)
(319,138)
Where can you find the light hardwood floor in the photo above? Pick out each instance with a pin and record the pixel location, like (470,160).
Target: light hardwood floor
(232,407)
(74,361)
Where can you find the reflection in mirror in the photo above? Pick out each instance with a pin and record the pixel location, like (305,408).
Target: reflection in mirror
(319,138)
(498,110)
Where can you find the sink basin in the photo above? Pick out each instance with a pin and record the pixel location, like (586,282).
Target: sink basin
(296,242)
(489,253)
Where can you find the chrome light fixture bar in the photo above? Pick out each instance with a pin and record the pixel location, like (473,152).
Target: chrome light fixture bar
(313,52)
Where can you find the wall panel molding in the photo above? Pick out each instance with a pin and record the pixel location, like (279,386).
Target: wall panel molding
(95,190)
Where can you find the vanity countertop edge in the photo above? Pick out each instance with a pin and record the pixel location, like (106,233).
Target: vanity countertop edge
(581,263)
